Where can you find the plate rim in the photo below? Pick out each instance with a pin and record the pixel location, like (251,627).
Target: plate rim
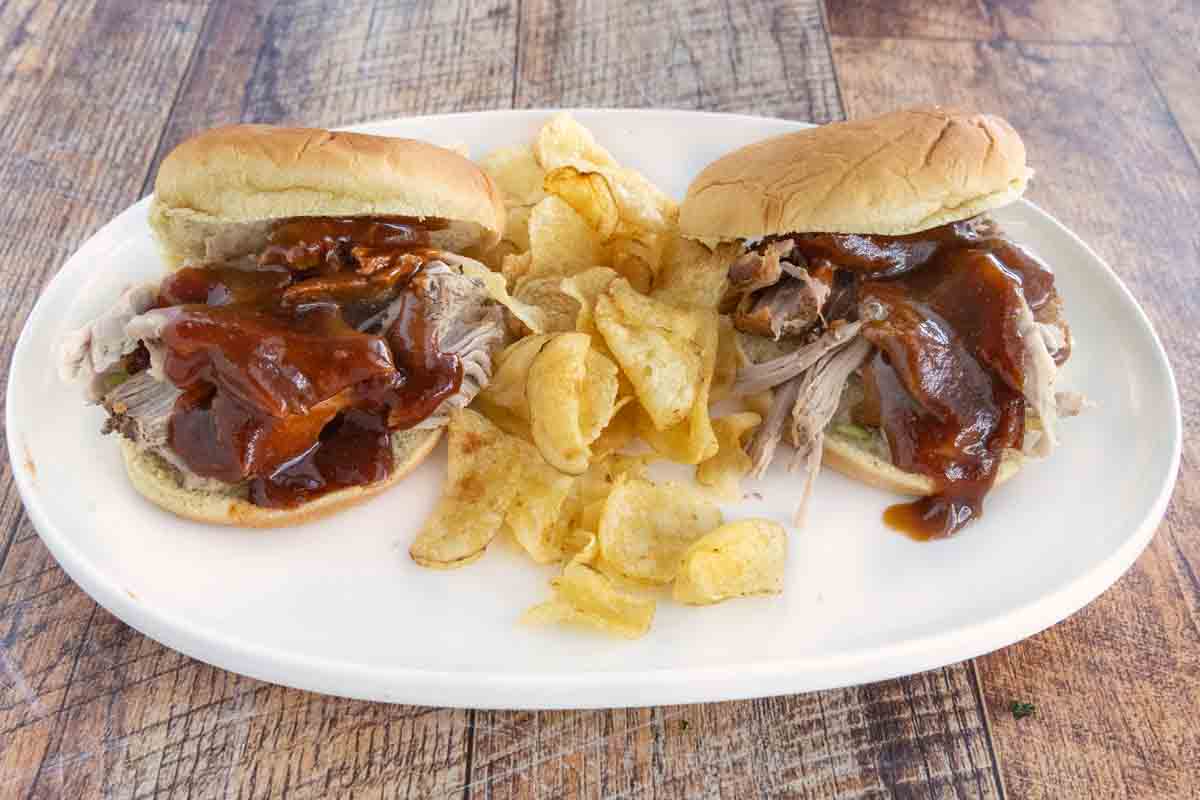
(593,689)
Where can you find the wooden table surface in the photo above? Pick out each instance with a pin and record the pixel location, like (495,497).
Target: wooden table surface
(1107,96)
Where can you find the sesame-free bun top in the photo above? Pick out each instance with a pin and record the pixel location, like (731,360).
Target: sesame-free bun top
(891,175)
(217,192)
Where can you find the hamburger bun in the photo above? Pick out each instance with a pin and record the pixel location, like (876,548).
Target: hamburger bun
(854,460)
(158,482)
(890,175)
(217,193)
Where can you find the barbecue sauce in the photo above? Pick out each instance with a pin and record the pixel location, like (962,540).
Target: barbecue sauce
(282,388)
(945,383)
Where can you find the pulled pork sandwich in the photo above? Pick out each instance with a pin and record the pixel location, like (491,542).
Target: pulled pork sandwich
(915,343)
(315,331)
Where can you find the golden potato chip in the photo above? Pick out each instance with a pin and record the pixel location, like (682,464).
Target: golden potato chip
(585,287)
(724,471)
(540,498)
(480,484)
(511,375)
(636,258)
(516,228)
(736,560)
(515,267)
(559,309)
(568,406)
(646,527)
(760,402)
(693,276)
(562,140)
(531,316)
(729,360)
(517,173)
(588,194)
(620,430)
(584,596)
(656,348)
(691,440)
(590,518)
(561,242)
(503,418)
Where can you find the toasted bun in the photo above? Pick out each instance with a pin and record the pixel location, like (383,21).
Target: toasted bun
(852,459)
(215,191)
(157,482)
(894,174)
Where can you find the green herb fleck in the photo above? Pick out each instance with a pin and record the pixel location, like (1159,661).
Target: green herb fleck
(1020,710)
(855,432)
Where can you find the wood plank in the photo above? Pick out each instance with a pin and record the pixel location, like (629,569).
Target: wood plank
(1025,20)
(89,707)
(1118,685)
(80,122)
(749,56)
(1167,36)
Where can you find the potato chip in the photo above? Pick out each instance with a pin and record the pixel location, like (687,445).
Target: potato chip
(636,259)
(729,360)
(584,596)
(646,527)
(656,348)
(585,287)
(760,402)
(517,173)
(503,418)
(511,375)
(530,316)
(724,471)
(559,309)
(562,141)
(560,241)
(516,228)
(568,405)
(693,276)
(515,267)
(588,194)
(691,440)
(736,560)
(620,430)
(531,516)
(480,484)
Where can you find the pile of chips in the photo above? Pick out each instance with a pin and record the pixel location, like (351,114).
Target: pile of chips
(620,340)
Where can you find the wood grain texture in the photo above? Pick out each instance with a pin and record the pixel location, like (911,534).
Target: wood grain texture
(752,57)
(1025,20)
(1167,36)
(1118,685)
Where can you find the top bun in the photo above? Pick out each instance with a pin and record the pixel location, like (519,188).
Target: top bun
(891,175)
(216,192)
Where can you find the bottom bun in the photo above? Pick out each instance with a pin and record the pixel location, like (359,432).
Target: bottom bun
(158,482)
(853,459)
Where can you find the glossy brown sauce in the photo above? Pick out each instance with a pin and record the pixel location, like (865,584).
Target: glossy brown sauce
(945,382)
(281,388)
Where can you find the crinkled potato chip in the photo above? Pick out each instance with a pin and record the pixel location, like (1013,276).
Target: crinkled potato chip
(557,386)
(530,316)
(516,229)
(691,440)
(503,418)
(724,471)
(561,242)
(620,430)
(515,267)
(586,287)
(540,499)
(584,596)
(646,527)
(587,193)
(636,260)
(655,345)
(562,141)
(511,376)
(480,484)
(692,276)
(730,359)
(740,559)
(517,173)
(559,309)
